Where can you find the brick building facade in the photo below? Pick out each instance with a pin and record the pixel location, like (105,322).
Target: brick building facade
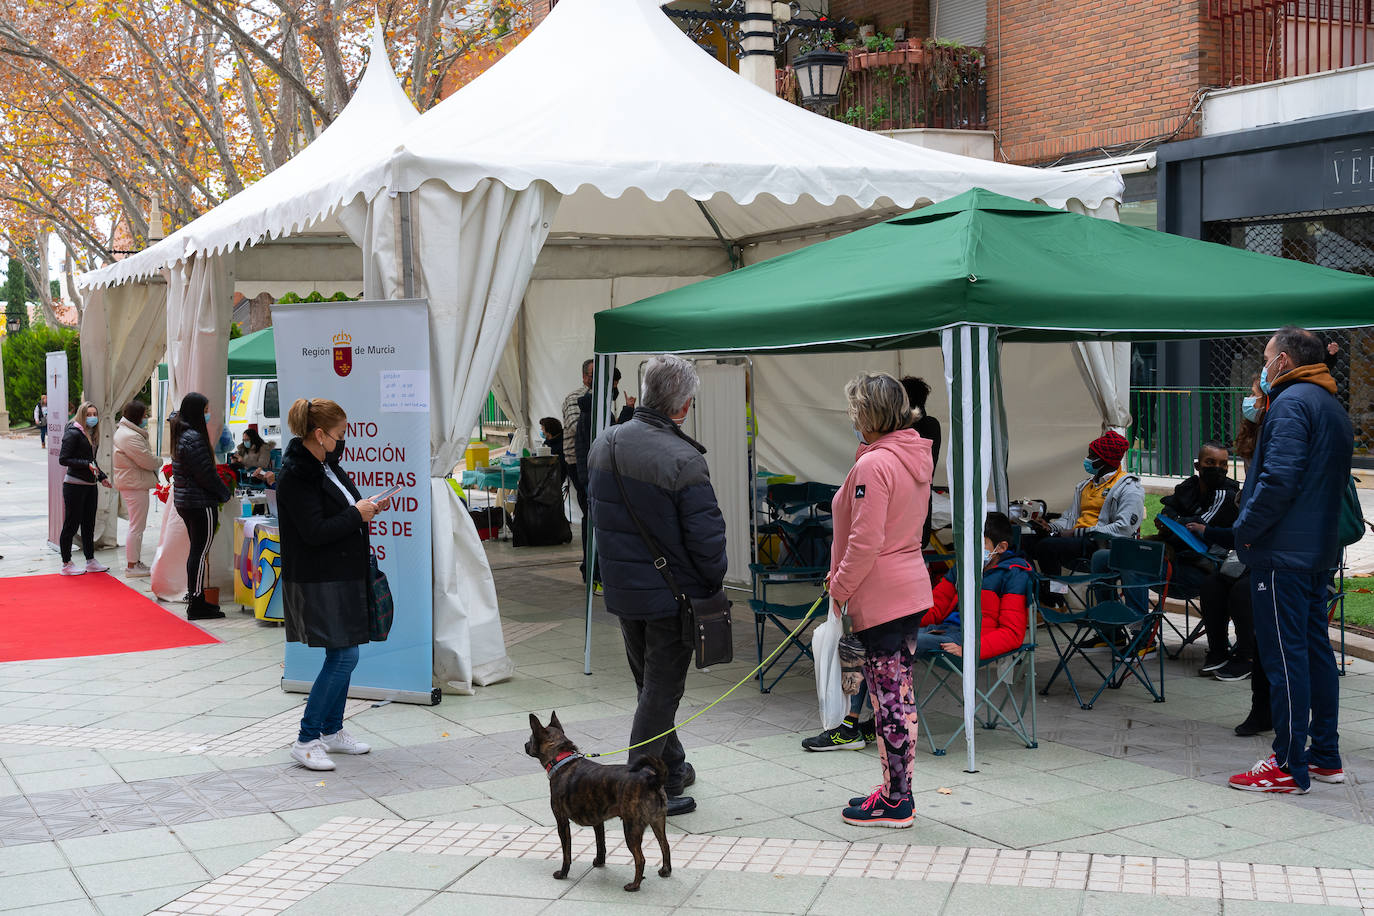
(887,15)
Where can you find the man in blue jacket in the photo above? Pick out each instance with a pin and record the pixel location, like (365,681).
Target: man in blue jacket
(1286,533)
(669,490)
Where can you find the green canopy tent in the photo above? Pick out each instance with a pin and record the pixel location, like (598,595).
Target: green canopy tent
(968,274)
(250,356)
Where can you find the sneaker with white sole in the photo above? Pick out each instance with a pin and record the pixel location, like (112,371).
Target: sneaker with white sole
(880,811)
(71,569)
(137,571)
(312,755)
(96,566)
(341,742)
(1326,774)
(1267,776)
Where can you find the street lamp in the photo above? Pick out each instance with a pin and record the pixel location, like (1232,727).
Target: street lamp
(819,75)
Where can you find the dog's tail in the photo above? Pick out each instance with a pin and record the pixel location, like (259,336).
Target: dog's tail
(654,771)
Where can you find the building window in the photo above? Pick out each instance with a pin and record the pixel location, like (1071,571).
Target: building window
(962,21)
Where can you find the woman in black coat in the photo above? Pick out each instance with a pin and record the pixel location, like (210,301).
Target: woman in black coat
(324,571)
(78,489)
(198,493)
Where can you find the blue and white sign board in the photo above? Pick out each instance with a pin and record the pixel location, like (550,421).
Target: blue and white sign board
(372,357)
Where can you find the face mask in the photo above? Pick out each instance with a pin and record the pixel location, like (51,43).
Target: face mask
(1212,477)
(1264,381)
(207,416)
(143,424)
(987,556)
(543,436)
(92,421)
(1249,408)
(1090,466)
(337,453)
(860,436)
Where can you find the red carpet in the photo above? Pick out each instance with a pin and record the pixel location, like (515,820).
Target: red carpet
(94,614)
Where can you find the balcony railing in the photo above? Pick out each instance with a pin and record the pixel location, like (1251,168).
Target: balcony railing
(1263,40)
(909,87)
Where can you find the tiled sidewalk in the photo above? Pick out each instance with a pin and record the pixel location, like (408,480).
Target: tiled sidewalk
(1121,809)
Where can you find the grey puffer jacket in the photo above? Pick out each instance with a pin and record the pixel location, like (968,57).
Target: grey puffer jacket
(669,486)
(1121,514)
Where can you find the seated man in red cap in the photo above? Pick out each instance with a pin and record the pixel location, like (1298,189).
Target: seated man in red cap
(1110,503)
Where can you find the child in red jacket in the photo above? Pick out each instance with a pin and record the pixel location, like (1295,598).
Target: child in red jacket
(1006,584)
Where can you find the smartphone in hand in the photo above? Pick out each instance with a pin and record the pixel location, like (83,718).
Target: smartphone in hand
(385,495)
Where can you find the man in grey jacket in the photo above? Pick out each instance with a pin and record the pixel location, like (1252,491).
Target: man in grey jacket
(667,488)
(1109,503)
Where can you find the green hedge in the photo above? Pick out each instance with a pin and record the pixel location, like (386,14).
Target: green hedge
(26,363)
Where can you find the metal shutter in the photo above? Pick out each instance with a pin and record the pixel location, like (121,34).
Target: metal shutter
(965,21)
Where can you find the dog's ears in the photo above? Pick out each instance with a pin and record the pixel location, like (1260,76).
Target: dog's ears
(553,721)
(535,726)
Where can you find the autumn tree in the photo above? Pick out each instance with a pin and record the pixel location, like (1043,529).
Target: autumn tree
(107,106)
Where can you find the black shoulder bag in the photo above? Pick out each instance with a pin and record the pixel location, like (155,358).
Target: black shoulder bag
(705,621)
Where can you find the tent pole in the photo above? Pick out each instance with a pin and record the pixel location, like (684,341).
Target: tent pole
(602,370)
(407,246)
(1001,484)
(731,249)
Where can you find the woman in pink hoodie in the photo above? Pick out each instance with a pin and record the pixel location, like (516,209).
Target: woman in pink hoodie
(878,575)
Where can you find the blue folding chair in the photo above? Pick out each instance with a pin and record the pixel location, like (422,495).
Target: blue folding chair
(782,616)
(1105,620)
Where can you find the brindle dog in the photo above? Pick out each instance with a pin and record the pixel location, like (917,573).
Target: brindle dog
(590,794)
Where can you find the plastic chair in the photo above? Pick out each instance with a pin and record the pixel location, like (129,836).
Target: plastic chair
(993,696)
(782,616)
(1104,620)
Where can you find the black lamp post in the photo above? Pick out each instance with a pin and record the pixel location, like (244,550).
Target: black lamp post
(819,76)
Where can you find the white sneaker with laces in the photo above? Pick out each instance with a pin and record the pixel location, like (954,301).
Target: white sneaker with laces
(312,755)
(96,566)
(341,742)
(137,571)
(71,569)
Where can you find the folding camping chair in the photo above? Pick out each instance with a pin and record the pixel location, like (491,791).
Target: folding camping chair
(799,516)
(1104,620)
(997,692)
(782,616)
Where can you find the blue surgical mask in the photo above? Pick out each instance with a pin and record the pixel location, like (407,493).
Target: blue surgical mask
(1264,381)
(1089,466)
(860,436)
(92,421)
(987,555)
(1249,408)
(143,424)
(207,416)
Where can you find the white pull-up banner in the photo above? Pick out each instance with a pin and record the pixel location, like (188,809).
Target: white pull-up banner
(58,418)
(372,357)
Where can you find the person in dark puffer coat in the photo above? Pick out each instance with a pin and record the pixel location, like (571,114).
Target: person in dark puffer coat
(1286,534)
(198,493)
(667,483)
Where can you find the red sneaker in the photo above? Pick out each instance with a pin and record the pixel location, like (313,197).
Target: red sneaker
(1322,774)
(1266,776)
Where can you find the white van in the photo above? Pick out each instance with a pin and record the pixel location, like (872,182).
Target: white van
(254,401)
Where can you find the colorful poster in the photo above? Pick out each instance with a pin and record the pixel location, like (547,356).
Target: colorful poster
(58,418)
(344,351)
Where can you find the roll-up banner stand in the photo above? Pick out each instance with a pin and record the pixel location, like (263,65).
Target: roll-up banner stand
(372,357)
(58,417)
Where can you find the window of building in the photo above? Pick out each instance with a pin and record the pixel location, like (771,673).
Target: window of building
(964,21)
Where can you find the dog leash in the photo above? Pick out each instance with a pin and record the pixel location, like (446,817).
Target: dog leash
(790,636)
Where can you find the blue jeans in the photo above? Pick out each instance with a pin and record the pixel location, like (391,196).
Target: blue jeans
(930,638)
(856,702)
(325,708)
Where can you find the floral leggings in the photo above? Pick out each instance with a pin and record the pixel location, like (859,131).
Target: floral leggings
(889,679)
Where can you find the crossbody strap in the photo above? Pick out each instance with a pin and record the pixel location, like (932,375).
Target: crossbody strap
(660,561)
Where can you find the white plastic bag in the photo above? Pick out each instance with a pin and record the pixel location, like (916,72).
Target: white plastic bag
(825,648)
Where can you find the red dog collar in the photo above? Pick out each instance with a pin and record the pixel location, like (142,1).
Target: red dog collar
(558,761)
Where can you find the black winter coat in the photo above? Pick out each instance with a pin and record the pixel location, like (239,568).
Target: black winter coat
(324,554)
(196,485)
(670,488)
(1191,503)
(77,455)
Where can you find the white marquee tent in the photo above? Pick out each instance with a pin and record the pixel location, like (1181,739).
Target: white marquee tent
(603,159)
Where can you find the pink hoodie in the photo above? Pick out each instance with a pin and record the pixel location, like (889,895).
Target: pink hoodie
(876,564)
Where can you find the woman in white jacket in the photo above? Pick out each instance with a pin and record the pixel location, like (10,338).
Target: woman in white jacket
(135,473)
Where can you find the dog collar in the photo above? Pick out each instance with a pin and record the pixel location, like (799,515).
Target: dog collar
(559,761)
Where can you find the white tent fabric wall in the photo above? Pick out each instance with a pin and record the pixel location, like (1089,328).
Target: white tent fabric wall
(1106,370)
(123,335)
(199,304)
(470,255)
(717,422)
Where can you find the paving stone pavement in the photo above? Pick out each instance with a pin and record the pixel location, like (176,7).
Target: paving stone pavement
(1130,794)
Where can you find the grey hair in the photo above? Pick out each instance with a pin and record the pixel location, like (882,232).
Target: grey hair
(669,382)
(878,403)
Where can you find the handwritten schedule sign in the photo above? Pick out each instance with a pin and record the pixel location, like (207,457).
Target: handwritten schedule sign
(405,391)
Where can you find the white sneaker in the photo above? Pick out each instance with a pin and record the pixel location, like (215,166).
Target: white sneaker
(96,566)
(312,755)
(341,742)
(137,571)
(71,569)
